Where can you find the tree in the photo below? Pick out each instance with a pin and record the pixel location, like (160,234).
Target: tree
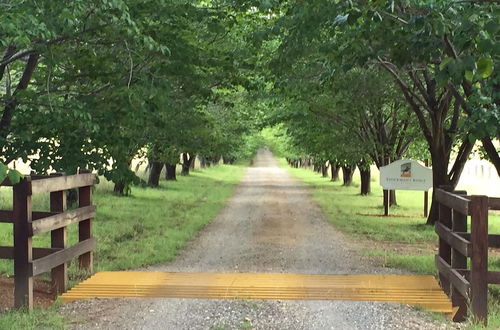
(91,84)
(428,51)
(74,105)
(360,103)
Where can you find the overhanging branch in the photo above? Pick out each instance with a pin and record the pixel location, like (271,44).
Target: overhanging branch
(411,97)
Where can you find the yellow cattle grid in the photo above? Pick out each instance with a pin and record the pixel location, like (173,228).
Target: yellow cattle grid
(416,290)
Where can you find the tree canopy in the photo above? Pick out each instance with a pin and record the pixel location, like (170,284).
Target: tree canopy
(94,84)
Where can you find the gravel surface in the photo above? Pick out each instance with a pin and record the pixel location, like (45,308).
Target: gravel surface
(269,225)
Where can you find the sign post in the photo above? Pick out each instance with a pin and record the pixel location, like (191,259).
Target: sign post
(387,201)
(404,174)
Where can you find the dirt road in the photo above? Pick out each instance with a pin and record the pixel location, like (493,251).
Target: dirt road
(269,225)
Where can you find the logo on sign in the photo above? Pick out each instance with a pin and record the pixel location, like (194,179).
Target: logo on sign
(406,170)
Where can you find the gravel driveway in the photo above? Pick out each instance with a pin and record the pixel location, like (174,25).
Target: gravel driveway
(269,225)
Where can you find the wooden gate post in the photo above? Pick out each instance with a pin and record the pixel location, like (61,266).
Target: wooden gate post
(85,227)
(479,258)
(58,240)
(23,252)
(459,261)
(444,248)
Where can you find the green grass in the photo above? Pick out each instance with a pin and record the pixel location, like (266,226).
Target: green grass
(403,242)
(348,210)
(493,317)
(344,206)
(32,320)
(420,264)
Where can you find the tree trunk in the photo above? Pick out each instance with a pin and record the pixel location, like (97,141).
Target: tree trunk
(11,105)
(122,185)
(440,178)
(304,162)
(72,197)
(119,188)
(216,159)
(186,163)
(492,153)
(228,160)
(203,161)
(170,174)
(365,181)
(335,171)
(154,174)
(440,175)
(347,172)
(193,161)
(324,170)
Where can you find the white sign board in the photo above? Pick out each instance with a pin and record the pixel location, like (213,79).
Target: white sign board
(405,175)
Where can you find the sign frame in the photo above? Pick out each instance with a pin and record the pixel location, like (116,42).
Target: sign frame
(405,174)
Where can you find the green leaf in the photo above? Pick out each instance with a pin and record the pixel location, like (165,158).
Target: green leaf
(469,63)
(485,45)
(469,75)
(3,171)
(492,27)
(485,67)
(442,78)
(353,16)
(14,176)
(265,5)
(445,62)
(456,70)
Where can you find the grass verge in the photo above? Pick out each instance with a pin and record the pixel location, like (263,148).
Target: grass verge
(37,318)
(401,241)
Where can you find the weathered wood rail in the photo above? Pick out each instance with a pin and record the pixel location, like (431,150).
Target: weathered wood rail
(466,287)
(30,261)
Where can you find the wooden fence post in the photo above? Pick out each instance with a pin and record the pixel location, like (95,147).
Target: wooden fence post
(85,227)
(479,258)
(444,248)
(459,261)
(23,252)
(59,274)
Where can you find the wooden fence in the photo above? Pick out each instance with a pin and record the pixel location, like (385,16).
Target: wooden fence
(30,261)
(466,287)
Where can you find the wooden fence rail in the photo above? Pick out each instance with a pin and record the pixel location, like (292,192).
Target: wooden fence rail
(466,287)
(30,261)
